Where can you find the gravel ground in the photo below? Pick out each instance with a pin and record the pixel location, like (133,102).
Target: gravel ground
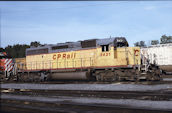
(132,103)
(97,87)
(167,79)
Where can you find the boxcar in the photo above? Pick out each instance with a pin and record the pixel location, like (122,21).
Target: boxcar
(160,55)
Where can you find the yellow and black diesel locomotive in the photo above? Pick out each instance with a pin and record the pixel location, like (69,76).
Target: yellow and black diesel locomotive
(108,59)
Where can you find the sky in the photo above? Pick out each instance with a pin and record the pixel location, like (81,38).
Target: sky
(60,21)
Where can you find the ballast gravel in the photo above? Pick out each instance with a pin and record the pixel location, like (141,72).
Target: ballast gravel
(130,103)
(95,87)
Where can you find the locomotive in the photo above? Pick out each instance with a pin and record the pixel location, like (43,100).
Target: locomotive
(6,66)
(108,59)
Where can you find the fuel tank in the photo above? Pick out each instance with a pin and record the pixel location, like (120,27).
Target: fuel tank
(70,76)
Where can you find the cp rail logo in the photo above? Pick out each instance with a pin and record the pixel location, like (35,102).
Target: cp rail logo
(136,52)
(64,56)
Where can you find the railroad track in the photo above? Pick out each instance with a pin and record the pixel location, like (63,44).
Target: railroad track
(19,100)
(63,107)
(167,80)
(141,95)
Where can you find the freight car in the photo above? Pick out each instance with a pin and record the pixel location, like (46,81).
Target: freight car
(160,55)
(108,59)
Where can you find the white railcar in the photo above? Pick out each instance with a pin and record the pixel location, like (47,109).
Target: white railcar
(159,54)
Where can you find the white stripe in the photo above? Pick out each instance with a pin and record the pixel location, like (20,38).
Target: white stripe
(6,64)
(6,60)
(9,60)
(9,65)
(6,68)
(10,68)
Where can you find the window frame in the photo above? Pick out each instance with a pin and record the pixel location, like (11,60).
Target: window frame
(105,48)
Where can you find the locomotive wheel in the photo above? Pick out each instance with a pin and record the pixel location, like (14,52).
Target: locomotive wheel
(154,75)
(107,76)
(98,78)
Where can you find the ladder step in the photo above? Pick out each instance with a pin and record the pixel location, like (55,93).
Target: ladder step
(6,78)
(142,78)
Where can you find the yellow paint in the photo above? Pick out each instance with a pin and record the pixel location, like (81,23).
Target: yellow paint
(85,58)
(21,63)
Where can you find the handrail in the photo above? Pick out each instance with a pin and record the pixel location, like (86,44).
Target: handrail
(50,64)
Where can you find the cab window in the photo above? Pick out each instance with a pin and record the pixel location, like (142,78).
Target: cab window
(105,48)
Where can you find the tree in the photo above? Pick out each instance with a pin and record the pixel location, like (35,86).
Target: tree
(136,44)
(154,42)
(166,39)
(140,44)
(35,44)
(1,49)
(16,51)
